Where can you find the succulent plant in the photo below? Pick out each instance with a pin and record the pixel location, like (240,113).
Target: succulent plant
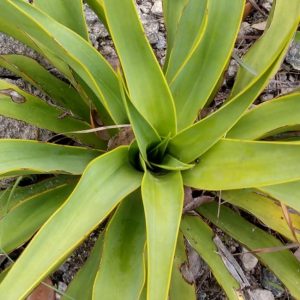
(137,190)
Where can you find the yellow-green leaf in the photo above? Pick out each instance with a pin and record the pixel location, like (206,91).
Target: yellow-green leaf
(235,164)
(61,92)
(81,287)
(189,33)
(67,12)
(272,117)
(181,289)
(283,263)
(35,111)
(85,60)
(265,209)
(105,182)
(163,204)
(288,193)
(194,84)
(19,157)
(147,86)
(200,235)
(122,271)
(282,24)
(173,11)
(18,225)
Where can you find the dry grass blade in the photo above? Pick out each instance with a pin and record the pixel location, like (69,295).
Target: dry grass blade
(270,249)
(288,220)
(102,128)
(191,203)
(231,263)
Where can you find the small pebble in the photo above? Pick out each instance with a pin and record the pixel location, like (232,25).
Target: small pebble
(249,261)
(260,294)
(267,4)
(157,8)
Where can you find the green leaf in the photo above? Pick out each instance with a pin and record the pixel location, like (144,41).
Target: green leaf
(158,152)
(147,86)
(163,203)
(200,235)
(194,84)
(297,37)
(81,287)
(97,6)
(266,210)
(282,24)
(180,289)
(198,138)
(19,225)
(288,193)
(284,264)
(35,74)
(189,33)
(170,163)
(8,26)
(173,11)
(272,117)
(9,201)
(3,274)
(235,164)
(19,157)
(67,12)
(146,136)
(37,112)
(122,272)
(105,182)
(86,61)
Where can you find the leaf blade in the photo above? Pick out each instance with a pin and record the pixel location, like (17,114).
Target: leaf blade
(60,11)
(36,157)
(194,84)
(281,21)
(193,21)
(162,225)
(19,225)
(272,117)
(235,164)
(201,236)
(125,239)
(180,289)
(106,181)
(35,111)
(81,287)
(146,83)
(39,77)
(74,50)
(284,264)
(263,208)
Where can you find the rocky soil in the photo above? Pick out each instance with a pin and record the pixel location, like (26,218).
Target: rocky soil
(264,285)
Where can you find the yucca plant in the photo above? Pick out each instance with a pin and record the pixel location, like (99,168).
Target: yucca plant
(139,187)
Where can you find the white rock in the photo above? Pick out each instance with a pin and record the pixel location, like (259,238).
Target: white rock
(146,7)
(232,69)
(157,8)
(62,287)
(267,4)
(249,261)
(260,294)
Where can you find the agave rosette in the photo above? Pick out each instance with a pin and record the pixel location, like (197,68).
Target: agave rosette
(140,187)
